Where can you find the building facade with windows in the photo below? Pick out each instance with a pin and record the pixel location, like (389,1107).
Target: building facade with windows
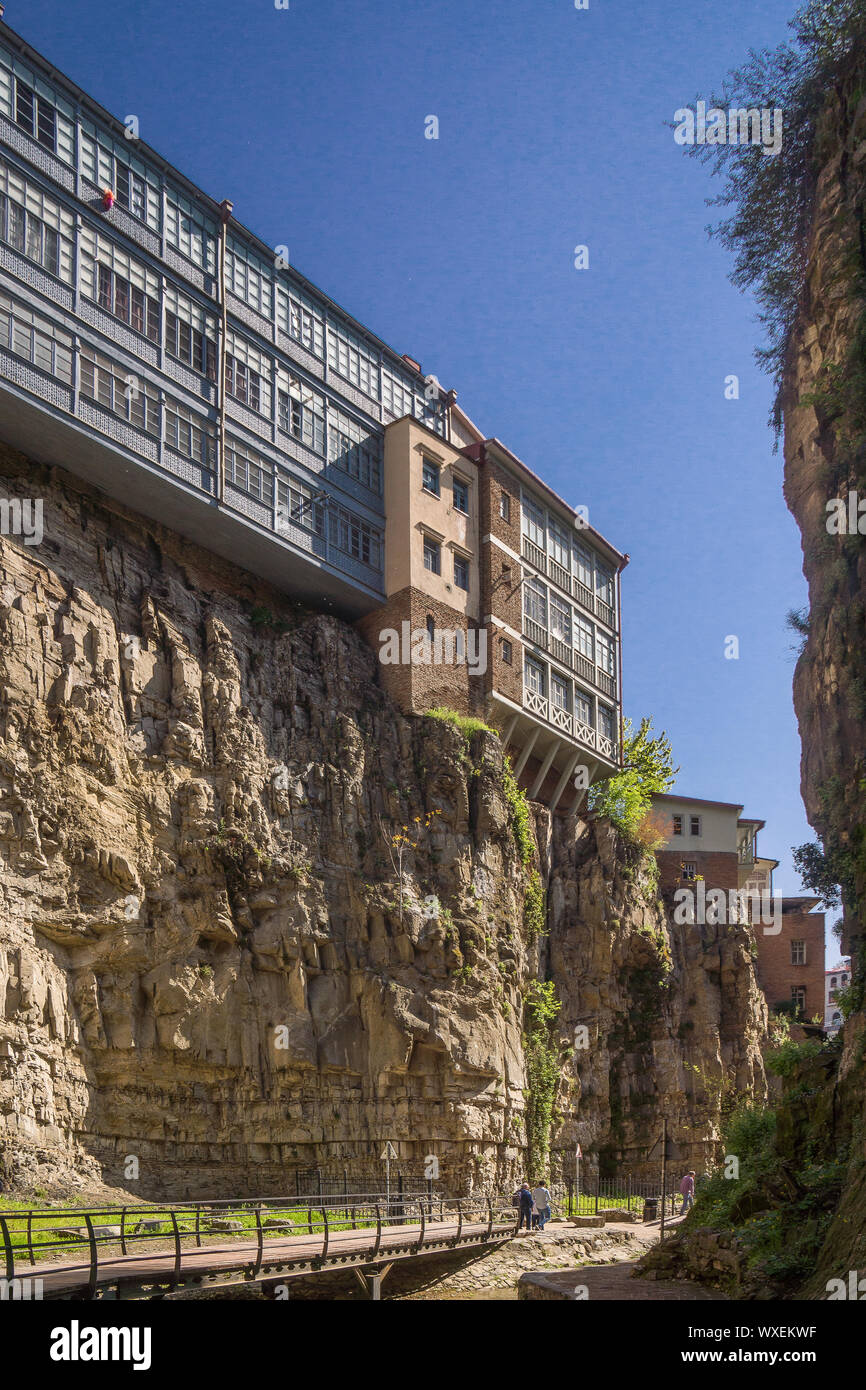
(712,844)
(517,598)
(153,346)
(835,980)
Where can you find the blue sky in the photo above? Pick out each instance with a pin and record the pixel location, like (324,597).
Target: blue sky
(610,381)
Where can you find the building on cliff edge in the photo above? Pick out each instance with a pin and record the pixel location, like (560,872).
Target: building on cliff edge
(153,346)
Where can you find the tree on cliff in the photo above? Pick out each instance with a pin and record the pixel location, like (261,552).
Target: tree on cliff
(626,798)
(771,196)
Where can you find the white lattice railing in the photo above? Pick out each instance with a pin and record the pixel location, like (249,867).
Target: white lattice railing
(535,702)
(561,718)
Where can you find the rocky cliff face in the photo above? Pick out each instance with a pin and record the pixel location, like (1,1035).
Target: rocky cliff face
(672,1014)
(207,964)
(825,458)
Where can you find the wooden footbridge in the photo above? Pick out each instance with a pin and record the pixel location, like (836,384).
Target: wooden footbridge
(151,1252)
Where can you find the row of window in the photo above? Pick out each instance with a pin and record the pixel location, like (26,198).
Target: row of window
(431,482)
(565,695)
(552,536)
(694,825)
(189,231)
(566,624)
(433,562)
(125,289)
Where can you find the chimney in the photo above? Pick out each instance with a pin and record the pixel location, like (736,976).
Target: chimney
(410,362)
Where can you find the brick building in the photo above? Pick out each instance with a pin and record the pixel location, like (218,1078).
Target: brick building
(710,845)
(484,560)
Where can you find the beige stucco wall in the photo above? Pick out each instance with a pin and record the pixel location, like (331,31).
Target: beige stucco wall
(409,510)
(718,825)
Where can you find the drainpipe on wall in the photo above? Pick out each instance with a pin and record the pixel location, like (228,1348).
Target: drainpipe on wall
(226,211)
(622,566)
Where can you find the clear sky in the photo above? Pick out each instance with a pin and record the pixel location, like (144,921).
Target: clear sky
(608,381)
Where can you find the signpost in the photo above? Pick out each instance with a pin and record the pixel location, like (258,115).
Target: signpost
(388,1153)
(577,1157)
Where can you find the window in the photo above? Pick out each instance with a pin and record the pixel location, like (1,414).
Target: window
(35,115)
(533,675)
(354,449)
(560,544)
(431,628)
(301,413)
(582,708)
(430,477)
(690,872)
(604,585)
(188,234)
(130,190)
(506,651)
(535,601)
(119,391)
(295,504)
(27,233)
(432,555)
(505,506)
(460,492)
(249,279)
(560,619)
(533,522)
(248,470)
(559,692)
(301,319)
(604,653)
(798,953)
(354,537)
(798,997)
(833,982)
(678,825)
(461,572)
(190,345)
(126,301)
(694,825)
(243,383)
(584,637)
(348,356)
(605,721)
(189,434)
(35,339)
(583,566)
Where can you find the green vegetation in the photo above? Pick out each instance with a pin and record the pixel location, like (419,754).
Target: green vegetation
(626,798)
(521,820)
(467,724)
(534,917)
(771,199)
(541,1051)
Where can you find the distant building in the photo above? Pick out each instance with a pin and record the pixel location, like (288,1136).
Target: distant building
(835,980)
(709,846)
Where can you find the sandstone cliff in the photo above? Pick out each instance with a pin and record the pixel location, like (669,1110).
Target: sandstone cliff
(206,960)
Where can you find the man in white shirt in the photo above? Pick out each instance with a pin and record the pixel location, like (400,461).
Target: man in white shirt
(540,1205)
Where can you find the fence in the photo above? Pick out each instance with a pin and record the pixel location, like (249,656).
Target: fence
(622,1193)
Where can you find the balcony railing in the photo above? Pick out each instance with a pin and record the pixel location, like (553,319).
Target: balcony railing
(565,722)
(571,585)
(568,656)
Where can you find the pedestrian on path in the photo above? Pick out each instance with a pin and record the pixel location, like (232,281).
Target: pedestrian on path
(540,1204)
(525,1197)
(687,1188)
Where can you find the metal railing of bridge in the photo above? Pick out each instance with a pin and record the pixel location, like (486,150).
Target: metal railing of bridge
(182,1227)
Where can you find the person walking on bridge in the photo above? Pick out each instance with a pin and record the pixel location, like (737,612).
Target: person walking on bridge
(525,1196)
(541,1204)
